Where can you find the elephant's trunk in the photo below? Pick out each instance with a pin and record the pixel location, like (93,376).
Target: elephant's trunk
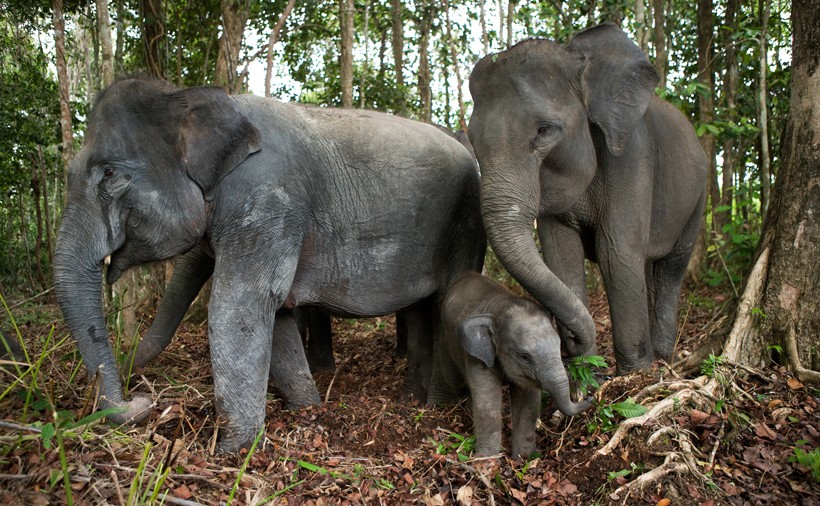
(509,203)
(554,380)
(78,285)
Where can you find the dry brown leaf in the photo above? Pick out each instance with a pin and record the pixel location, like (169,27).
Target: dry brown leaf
(663,502)
(794,383)
(182,492)
(465,495)
(763,430)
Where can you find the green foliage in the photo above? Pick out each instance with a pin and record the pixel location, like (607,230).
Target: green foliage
(580,371)
(606,417)
(462,446)
(808,459)
(710,365)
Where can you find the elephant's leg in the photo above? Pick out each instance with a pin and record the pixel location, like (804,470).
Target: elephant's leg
(401,334)
(563,252)
(443,380)
(319,344)
(485,404)
(240,325)
(289,370)
(191,271)
(420,344)
(667,278)
(623,269)
(525,404)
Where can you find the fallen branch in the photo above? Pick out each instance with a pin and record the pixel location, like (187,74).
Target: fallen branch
(647,478)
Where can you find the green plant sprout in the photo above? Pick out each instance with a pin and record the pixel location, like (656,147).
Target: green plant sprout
(580,371)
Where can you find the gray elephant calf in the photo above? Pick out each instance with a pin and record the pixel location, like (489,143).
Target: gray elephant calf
(490,336)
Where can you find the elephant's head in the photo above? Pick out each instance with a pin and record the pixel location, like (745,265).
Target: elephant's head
(522,338)
(542,115)
(136,193)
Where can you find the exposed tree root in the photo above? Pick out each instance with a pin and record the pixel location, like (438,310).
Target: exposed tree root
(697,387)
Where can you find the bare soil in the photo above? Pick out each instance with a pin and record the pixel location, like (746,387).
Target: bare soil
(366,445)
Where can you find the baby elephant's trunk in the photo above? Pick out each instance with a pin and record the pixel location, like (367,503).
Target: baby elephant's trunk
(554,380)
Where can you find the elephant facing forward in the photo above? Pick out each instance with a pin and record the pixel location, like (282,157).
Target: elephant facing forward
(573,137)
(491,338)
(357,212)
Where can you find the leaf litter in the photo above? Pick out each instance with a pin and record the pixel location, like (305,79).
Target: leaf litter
(367,445)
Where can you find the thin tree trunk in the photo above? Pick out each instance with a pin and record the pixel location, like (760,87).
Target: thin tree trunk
(462,109)
(510,18)
(274,37)
(424,78)
(765,158)
(641,31)
(396,9)
(366,66)
(482,17)
(41,162)
(706,113)
(347,11)
(107,53)
(234,16)
(62,78)
(723,214)
(659,40)
(501,21)
(38,216)
(153,36)
(24,235)
(118,66)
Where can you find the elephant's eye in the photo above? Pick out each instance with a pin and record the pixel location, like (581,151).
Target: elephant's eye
(545,128)
(109,171)
(525,358)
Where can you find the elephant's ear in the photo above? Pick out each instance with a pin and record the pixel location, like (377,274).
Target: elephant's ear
(214,137)
(617,81)
(477,337)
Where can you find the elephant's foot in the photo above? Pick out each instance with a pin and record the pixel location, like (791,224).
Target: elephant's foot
(319,361)
(130,412)
(235,439)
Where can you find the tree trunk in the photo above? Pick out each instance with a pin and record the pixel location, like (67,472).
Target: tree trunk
(46,206)
(38,216)
(659,40)
(706,115)
(120,8)
(397,23)
(62,78)
(482,17)
(641,31)
(274,37)
(153,36)
(462,109)
(366,65)
(424,78)
(784,310)
(762,92)
(723,214)
(510,18)
(347,12)
(234,16)
(106,50)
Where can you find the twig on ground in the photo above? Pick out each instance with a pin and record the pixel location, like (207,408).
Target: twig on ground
(330,386)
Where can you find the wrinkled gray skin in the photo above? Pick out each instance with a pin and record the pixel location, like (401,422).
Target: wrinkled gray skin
(194,268)
(573,137)
(358,212)
(191,271)
(490,338)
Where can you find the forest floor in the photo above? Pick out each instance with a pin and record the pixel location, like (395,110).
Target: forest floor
(364,445)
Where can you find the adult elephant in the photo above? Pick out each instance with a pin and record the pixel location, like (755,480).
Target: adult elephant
(573,137)
(191,271)
(357,212)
